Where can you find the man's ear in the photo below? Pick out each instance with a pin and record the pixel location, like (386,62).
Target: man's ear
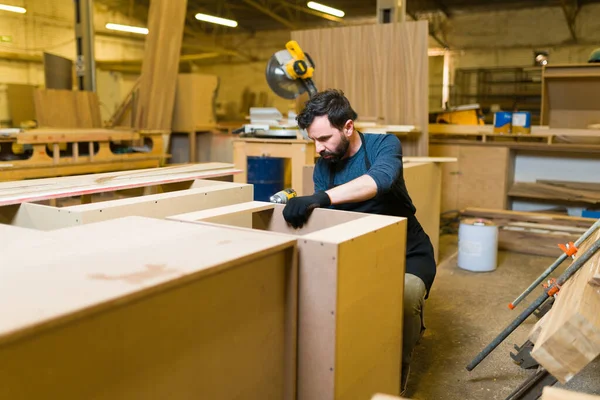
(349,128)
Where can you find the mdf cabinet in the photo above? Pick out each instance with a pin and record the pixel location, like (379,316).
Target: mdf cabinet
(481,177)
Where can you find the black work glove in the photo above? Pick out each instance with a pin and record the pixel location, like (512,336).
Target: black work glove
(298,209)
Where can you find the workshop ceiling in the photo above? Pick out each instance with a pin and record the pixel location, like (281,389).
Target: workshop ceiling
(257,15)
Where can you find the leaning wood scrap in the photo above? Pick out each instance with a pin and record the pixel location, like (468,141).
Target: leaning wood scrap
(554,393)
(532,233)
(545,191)
(570,338)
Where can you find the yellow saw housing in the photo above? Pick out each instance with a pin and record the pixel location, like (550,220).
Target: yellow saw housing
(298,67)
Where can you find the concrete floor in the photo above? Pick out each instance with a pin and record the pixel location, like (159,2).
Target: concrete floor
(464,312)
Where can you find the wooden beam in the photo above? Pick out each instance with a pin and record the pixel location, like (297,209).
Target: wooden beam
(270,13)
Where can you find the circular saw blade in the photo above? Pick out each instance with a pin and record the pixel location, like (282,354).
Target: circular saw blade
(280,83)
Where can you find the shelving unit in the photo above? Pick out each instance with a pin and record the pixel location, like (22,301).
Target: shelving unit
(508,87)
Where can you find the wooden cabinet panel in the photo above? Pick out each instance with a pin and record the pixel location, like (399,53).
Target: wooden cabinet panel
(484,176)
(480,178)
(450,175)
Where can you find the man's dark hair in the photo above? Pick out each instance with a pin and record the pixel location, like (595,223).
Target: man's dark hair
(332,103)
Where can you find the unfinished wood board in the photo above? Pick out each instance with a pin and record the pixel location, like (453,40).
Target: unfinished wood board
(57,135)
(554,393)
(569,97)
(547,191)
(195,97)
(20,103)
(192,309)
(36,216)
(160,66)
(67,109)
(50,188)
(351,274)
(384,77)
(504,217)
(570,338)
(16,233)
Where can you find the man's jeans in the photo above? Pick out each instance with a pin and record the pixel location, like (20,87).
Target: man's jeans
(414,302)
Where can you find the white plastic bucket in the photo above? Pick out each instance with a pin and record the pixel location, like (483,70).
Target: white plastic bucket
(477,245)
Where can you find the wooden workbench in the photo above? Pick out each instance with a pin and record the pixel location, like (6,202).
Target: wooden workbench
(301,153)
(46,159)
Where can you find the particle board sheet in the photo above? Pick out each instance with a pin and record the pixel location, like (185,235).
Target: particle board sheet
(160,65)
(67,109)
(161,310)
(45,218)
(50,188)
(570,338)
(384,76)
(351,282)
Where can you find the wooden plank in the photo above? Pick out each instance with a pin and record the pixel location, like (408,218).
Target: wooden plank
(44,189)
(506,216)
(147,303)
(450,176)
(160,66)
(535,190)
(393,56)
(588,186)
(555,393)
(570,339)
(56,135)
(351,282)
(161,205)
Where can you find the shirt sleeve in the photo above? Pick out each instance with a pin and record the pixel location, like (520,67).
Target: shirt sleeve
(319,178)
(387,163)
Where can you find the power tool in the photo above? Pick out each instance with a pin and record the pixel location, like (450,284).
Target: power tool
(283,196)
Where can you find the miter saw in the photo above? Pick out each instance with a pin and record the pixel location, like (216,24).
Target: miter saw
(289,74)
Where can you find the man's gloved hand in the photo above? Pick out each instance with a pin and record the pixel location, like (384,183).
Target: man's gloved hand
(298,209)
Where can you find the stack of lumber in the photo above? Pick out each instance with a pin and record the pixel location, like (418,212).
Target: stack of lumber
(554,393)
(530,232)
(569,338)
(579,192)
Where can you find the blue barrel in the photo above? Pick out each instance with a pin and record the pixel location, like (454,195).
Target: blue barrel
(267,176)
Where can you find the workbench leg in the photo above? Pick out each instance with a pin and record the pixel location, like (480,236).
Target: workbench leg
(302,154)
(240,161)
(192,141)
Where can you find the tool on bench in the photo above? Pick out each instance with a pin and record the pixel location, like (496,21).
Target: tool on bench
(569,250)
(549,292)
(282,197)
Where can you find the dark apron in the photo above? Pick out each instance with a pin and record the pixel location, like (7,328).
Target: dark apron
(419,251)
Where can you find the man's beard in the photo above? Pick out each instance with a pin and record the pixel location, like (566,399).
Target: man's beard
(336,155)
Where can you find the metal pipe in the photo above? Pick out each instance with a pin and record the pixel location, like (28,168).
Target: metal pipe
(84,40)
(548,292)
(555,265)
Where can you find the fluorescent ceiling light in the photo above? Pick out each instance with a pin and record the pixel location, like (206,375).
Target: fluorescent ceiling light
(325,9)
(19,10)
(127,28)
(216,20)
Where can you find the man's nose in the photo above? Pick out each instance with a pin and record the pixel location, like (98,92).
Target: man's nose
(319,147)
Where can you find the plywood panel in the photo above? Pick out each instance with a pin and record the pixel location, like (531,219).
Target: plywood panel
(351,282)
(160,66)
(484,176)
(450,176)
(67,109)
(20,103)
(149,314)
(424,185)
(385,77)
(555,393)
(161,205)
(194,108)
